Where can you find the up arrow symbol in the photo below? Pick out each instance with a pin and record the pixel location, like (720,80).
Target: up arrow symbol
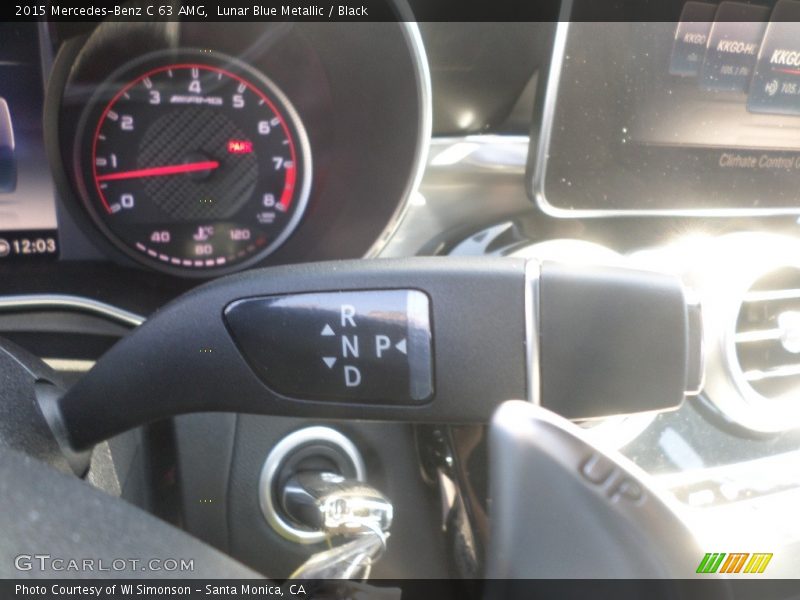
(327,331)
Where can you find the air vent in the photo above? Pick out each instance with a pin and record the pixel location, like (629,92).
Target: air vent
(767,337)
(748,284)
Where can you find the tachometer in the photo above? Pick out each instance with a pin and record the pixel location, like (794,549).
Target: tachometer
(197,166)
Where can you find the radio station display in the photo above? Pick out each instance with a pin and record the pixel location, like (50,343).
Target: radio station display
(775,88)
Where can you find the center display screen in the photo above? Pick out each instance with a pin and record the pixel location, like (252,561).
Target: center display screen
(698,116)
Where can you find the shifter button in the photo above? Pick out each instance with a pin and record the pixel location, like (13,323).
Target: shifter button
(364,346)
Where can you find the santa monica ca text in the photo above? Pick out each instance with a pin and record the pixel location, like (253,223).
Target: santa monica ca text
(141,589)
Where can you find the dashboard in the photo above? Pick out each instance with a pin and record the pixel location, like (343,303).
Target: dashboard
(139,160)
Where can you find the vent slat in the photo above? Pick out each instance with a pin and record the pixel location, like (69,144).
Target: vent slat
(782,371)
(767,336)
(747,337)
(772,295)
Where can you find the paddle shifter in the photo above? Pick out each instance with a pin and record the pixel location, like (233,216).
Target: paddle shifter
(415,340)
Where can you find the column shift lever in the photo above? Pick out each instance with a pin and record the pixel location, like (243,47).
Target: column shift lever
(431,340)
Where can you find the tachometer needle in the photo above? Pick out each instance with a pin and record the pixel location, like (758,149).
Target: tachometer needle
(206,165)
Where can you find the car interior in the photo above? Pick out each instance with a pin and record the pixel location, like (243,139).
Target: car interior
(401,299)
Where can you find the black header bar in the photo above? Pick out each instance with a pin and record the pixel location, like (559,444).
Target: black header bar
(347,10)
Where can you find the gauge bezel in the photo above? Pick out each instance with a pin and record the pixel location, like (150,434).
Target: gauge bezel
(120,79)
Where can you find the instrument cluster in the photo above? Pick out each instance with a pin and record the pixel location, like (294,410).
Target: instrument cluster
(202,149)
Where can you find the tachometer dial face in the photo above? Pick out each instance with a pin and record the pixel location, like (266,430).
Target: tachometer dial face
(194,167)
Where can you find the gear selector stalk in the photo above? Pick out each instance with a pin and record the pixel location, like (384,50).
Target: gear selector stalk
(440,339)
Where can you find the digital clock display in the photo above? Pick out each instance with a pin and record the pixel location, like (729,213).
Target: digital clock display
(28,244)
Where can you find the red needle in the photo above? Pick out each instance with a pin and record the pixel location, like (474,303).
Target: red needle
(158,171)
